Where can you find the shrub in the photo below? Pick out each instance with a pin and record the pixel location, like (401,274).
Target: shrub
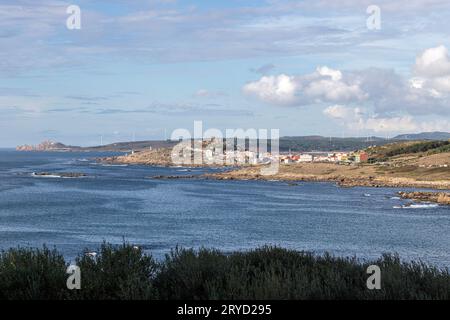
(32,274)
(274,273)
(125,272)
(430,146)
(117,272)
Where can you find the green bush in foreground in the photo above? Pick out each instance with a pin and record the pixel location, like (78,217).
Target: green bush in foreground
(125,272)
(122,272)
(32,274)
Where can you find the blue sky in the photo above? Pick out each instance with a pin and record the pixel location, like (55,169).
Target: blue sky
(144,68)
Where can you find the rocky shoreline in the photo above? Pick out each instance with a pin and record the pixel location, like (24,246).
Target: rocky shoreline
(436,197)
(367,175)
(342,182)
(341,177)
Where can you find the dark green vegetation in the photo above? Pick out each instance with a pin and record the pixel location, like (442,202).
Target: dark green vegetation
(125,272)
(319,143)
(133,145)
(443,148)
(425,146)
(415,148)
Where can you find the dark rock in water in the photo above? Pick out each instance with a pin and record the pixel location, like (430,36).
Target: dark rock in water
(172,177)
(419,196)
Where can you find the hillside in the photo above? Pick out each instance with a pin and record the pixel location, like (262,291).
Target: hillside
(320,143)
(412,152)
(134,145)
(424,136)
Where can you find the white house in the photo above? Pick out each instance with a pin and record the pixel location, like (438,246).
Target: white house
(305,158)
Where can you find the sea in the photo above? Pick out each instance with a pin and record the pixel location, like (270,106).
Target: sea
(120,203)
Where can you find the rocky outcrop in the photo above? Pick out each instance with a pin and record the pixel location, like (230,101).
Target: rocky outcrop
(437,197)
(161,177)
(156,157)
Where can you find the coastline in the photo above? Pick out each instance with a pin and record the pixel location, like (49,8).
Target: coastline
(364,174)
(343,180)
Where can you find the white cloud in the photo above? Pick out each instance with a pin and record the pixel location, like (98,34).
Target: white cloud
(359,120)
(343,113)
(335,75)
(279,90)
(432,71)
(403,124)
(385,125)
(204,93)
(323,85)
(433,62)
(333,91)
(416,83)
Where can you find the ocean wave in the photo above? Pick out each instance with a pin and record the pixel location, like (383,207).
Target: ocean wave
(45,176)
(423,205)
(57,176)
(417,206)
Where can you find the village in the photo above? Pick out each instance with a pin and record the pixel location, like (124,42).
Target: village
(334,157)
(214,153)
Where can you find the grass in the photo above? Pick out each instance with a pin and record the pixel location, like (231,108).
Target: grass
(125,272)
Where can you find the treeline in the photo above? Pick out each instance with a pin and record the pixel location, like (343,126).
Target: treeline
(319,143)
(125,272)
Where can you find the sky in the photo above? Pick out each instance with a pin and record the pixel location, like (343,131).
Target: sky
(141,69)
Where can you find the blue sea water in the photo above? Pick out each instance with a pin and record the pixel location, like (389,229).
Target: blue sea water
(117,203)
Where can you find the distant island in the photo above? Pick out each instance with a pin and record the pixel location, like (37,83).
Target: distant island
(424,136)
(47,145)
